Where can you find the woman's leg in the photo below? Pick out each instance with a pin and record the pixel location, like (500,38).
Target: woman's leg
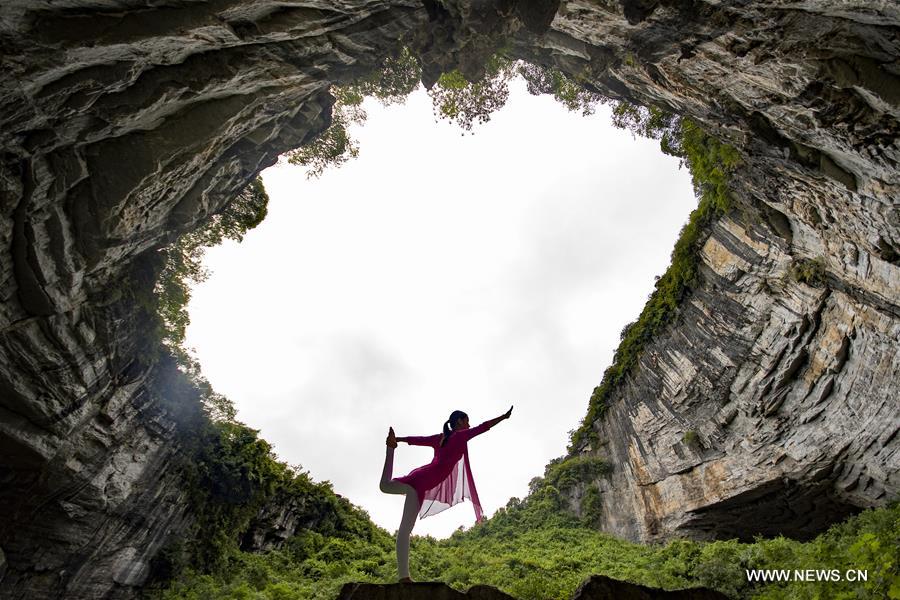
(407,522)
(387,485)
(410,510)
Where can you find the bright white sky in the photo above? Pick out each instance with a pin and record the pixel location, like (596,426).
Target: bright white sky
(439,271)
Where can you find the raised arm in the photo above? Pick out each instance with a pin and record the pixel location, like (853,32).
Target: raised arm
(479,429)
(419,440)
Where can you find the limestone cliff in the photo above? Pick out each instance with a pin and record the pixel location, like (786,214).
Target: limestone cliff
(124,123)
(770,405)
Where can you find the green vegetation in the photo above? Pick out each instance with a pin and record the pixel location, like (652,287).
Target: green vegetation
(391,84)
(533,548)
(534,552)
(571,94)
(561,477)
(467,103)
(564,472)
(454,99)
(235,474)
(808,271)
(182,260)
(691,438)
(591,507)
(710,162)
(231,476)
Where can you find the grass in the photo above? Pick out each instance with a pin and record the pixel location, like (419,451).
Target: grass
(532,553)
(808,271)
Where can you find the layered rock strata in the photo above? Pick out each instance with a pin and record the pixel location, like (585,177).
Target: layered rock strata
(124,123)
(599,587)
(769,405)
(122,126)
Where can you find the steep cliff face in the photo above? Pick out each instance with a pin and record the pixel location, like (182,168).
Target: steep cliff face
(769,405)
(121,127)
(125,123)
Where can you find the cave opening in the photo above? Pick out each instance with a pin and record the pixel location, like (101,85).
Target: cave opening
(437,271)
(120,136)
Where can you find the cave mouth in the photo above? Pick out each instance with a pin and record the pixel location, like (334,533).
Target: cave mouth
(775,508)
(438,271)
(128,127)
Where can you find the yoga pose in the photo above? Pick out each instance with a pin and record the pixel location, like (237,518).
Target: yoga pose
(445,481)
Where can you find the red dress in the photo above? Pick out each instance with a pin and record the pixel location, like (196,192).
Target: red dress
(447,479)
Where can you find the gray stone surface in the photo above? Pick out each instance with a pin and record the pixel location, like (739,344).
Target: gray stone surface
(789,389)
(120,128)
(596,587)
(123,124)
(599,587)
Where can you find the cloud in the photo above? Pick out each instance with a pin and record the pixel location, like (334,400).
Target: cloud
(438,272)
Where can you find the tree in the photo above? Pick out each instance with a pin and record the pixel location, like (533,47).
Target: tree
(182,265)
(650,122)
(391,84)
(454,98)
(573,95)
(466,103)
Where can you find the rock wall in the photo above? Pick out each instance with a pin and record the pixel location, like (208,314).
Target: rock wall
(596,587)
(124,123)
(768,406)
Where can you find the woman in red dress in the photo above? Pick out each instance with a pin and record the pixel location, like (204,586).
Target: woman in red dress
(445,481)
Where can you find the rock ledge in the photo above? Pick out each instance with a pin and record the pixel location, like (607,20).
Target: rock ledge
(596,587)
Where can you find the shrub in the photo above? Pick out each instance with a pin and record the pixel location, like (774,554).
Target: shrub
(591,506)
(691,438)
(547,559)
(564,473)
(710,162)
(808,271)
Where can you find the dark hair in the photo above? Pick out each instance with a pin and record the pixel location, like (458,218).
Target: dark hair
(455,417)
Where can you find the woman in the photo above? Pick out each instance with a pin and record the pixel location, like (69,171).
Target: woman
(445,481)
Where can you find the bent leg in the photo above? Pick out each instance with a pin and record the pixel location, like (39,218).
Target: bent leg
(410,510)
(407,522)
(386,485)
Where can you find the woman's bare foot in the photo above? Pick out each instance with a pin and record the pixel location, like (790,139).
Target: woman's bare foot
(406,580)
(391,438)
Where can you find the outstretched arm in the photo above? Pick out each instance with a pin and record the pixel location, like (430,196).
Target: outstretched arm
(419,440)
(479,429)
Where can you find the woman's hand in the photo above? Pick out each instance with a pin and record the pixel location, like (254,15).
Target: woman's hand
(391,440)
(490,423)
